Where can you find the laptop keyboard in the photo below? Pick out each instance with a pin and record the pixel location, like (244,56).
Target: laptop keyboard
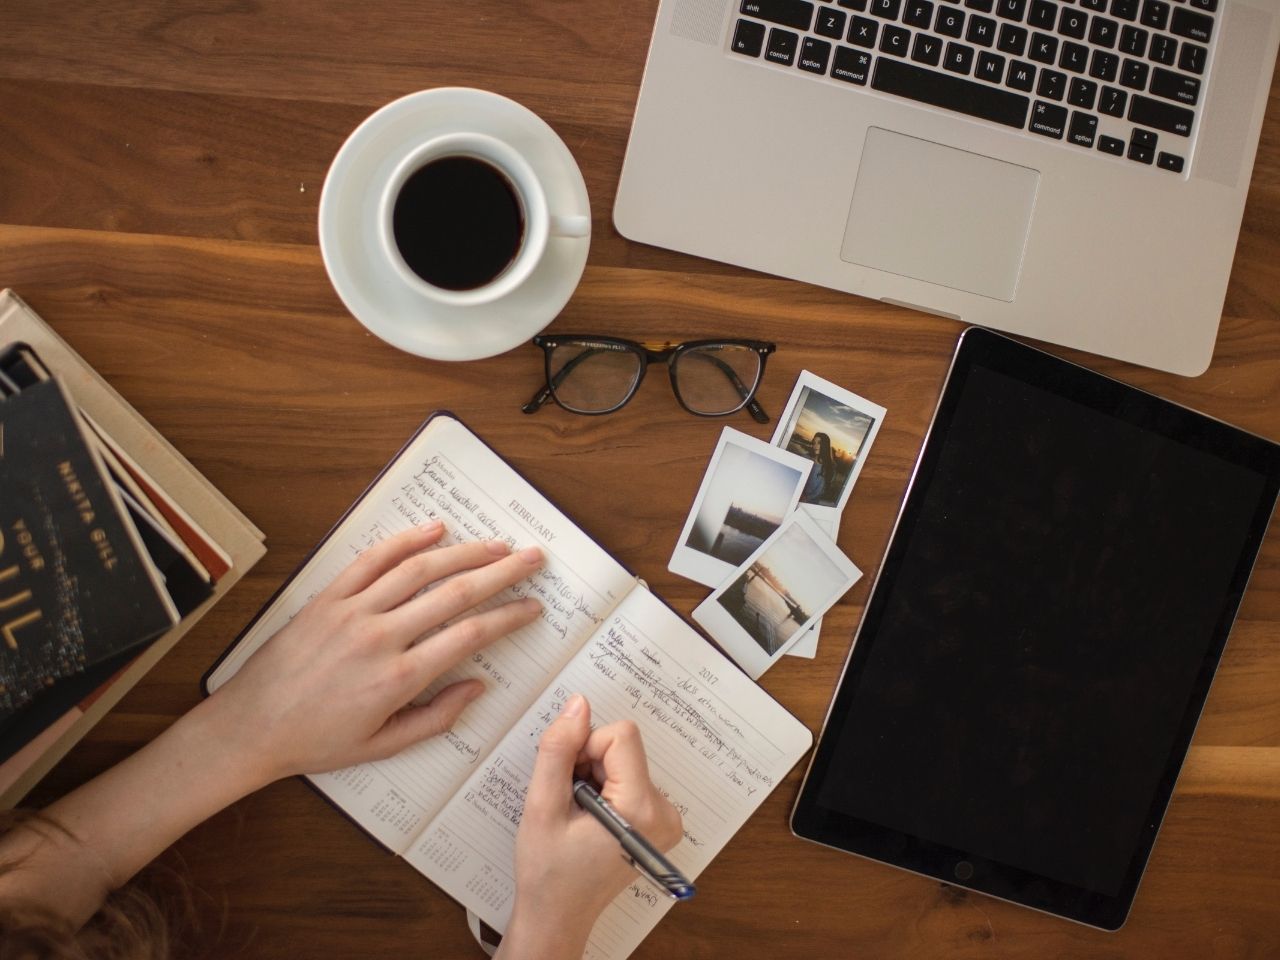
(1120,77)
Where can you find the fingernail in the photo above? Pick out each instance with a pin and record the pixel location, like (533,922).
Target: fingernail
(530,605)
(431,526)
(498,547)
(531,555)
(573,706)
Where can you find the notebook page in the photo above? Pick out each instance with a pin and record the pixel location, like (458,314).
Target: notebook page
(717,745)
(448,473)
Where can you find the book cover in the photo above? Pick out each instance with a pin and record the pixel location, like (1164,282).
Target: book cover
(76,588)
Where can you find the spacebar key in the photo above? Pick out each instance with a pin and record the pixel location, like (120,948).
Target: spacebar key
(953,93)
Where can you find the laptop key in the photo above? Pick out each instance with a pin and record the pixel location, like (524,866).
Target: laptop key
(950,22)
(1104,66)
(926,49)
(1043,15)
(789,13)
(859,5)
(782,46)
(1022,76)
(1013,40)
(1133,41)
(1011,9)
(1102,32)
(1140,153)
(1125,9)
(748,38)
(1075,57)
(1111,145)
(1192,25)
(1100,6)
(894,40)
(982,31)
(1175,86)
(1191,58)
(1112,102)
(1082,93)
(1048,120)
(1071,23)
(1169,161)
(959,58)
(1052,84)
(950,92)
(1163,49)
(851,66)
(1144,138)
(1084,127)
(1161,115)
(990,67)
(982,6)
(1044,47)
(830,23)
(863,31)
(1134,74)
(1155,14)
(815,55)
(919,13)
(1209,5)
(888,9)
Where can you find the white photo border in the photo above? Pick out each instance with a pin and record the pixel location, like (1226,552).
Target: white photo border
(736,642)
(703,567)
(786,427)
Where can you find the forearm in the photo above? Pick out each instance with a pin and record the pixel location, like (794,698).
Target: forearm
(118,822)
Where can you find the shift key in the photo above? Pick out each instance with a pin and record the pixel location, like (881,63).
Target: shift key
(789,13)
(1163,116)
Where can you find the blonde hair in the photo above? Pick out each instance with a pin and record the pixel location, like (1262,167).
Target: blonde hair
(153,917)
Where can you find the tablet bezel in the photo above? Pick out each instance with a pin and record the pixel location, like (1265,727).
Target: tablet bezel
(979,347)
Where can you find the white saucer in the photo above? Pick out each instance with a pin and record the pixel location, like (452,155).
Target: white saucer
(349,236)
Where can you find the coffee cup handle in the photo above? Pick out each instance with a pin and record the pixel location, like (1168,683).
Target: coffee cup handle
(570,226)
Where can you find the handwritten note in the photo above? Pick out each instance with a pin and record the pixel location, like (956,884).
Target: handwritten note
(448,474)
(716,743)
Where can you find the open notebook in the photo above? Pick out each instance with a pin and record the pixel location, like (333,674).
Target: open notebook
(717,744)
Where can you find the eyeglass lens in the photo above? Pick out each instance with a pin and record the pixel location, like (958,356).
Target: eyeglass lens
(592,378)
(717,378)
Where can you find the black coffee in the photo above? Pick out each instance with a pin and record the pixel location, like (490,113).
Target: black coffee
(458,223)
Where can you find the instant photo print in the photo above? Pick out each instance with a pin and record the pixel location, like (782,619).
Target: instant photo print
(776,595)
(749,489)
(833,429)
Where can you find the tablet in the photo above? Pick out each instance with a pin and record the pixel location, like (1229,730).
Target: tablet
(1041,636)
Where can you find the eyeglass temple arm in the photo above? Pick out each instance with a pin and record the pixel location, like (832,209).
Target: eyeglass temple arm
(753,407)
(544,393)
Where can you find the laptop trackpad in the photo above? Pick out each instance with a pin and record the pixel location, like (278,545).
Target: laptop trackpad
(935,213)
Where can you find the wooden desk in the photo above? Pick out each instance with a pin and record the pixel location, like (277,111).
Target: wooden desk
(160,167)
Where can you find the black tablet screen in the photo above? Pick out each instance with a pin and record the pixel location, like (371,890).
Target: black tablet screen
(1043,621)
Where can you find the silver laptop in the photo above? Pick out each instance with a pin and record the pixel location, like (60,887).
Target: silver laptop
(1070,171)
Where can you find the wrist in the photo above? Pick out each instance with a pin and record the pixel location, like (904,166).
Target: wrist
(536,933)
(213,733)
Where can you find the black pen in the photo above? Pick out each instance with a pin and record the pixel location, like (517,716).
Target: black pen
(644,856)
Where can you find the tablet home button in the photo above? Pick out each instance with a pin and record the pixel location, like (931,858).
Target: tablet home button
(964,870)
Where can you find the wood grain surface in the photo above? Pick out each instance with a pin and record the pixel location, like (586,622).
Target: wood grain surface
(160,167)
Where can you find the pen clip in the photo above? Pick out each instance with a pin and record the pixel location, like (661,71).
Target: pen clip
(646,859)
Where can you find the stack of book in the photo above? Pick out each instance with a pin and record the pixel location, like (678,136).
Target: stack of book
(111,547)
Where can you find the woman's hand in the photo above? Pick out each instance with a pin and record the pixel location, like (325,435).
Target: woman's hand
(568,867)
(329,690)
(333,687)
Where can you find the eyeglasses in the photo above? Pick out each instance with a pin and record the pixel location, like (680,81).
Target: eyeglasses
(595,375)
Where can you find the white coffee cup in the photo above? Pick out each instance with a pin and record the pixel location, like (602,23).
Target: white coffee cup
(540,223)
